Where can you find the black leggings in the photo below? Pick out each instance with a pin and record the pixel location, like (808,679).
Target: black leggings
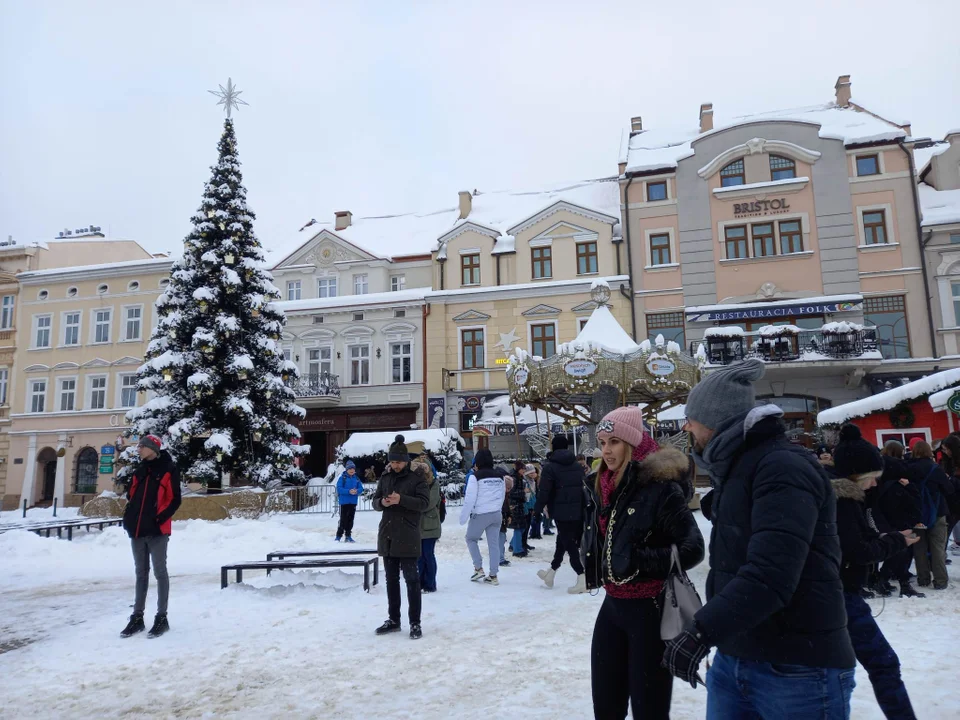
(625,661)
(347,514)
(568,541)
(411,576)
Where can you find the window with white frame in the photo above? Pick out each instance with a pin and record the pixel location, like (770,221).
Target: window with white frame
(955,293)
(319,361)
(4,383)
(287,353)
(41,330)
(101,325)
(6,311)
(67,392)
(398,282)
(293,290)
(401,362)
(133,317)
(98,392)
(71,328)
(581,324)
(327,287)
(128,391)
(37,396)
(361,284)
(359,358)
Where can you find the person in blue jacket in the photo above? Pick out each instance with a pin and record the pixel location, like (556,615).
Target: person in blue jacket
(349,490)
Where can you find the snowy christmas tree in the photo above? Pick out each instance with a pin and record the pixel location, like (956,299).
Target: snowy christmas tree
(220,385)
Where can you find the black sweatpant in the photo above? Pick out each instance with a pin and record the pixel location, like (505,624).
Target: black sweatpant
(347,514)
(897,567)
(568,541)
(392,568)
(625,661)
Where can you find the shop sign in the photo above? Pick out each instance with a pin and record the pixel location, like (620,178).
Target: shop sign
(521,376)
(580,368)
(954,403)
(313,423)
(106,469)
(437,412)
(502,361)
(386,421)
(759,206)
(764,310)
(108,450)
(660,366)
(470,403)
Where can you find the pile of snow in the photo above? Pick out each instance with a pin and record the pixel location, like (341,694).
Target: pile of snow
(841,328)
(364,444)
(777,330)
(939,207)
(725,331)
(889,399)
(498,411)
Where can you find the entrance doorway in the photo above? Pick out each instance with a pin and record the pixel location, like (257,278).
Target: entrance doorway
(315,464)
(87,471)
(47,472)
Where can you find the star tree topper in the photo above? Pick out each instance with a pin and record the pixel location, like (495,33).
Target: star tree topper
(229,96)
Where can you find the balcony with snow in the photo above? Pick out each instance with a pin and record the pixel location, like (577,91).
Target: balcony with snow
(318,389)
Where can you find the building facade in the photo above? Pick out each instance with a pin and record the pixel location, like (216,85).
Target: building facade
(802,218)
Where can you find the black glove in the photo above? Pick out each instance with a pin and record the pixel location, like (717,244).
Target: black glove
(684,654)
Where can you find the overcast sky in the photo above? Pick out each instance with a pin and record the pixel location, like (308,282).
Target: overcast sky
(379,107)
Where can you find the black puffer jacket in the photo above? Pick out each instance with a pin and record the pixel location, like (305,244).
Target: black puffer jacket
(651,515)
(561,487)
(774,592)
(861,546)
(894,506)
(399,534)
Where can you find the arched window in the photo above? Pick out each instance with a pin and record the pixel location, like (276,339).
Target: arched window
(87,468)
(43,295)
(782,168)
(71,292)
(133,286)
(102,289)
(733,174)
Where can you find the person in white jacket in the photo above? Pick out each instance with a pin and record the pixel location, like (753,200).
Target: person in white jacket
(482,507)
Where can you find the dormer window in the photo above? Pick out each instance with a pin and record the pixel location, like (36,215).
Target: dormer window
(782,168)
(470,269)
(733,174)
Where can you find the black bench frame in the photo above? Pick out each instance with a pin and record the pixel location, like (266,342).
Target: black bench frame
(67,525)
(269,565)
(281,554)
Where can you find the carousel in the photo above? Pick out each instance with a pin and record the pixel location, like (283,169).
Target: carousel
(601,370)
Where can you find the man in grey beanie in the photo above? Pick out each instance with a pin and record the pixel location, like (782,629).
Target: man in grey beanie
(775,608)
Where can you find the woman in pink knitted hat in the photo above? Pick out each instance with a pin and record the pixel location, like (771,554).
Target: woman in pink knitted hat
(636,511)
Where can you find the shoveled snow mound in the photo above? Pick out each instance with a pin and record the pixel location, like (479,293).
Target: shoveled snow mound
(433,439)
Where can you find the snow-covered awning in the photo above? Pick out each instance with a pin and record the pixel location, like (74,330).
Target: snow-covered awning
(938,401)
(889,399)
(433,439)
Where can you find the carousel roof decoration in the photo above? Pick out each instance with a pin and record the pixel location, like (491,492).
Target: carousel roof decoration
(601,369)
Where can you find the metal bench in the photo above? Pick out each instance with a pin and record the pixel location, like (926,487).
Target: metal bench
(281,554)
(45,528)
(329,562)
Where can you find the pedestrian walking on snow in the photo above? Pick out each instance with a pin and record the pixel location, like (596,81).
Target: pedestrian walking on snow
(431,528)
(561,497)
(482,509)
(635,515)
(402,495)
(349,490)
(152,501)
(858,465)
(930,554)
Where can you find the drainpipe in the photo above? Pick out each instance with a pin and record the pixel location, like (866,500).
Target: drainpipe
(443,262)
(498,269)
(426,314)
(618,255)
(626,236)
(923,246)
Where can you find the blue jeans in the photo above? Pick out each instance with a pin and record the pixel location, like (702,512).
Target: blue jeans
(427,564)
(750,690)
(516,542)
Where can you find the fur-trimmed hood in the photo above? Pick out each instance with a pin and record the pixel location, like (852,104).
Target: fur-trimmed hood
(665,465)
(845,488)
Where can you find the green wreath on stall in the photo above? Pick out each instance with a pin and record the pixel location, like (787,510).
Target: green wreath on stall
(902,416)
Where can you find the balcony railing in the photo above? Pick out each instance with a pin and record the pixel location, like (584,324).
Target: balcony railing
(320,385)
(807,345)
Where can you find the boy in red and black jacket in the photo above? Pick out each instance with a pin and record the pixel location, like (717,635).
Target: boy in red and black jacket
(153,498)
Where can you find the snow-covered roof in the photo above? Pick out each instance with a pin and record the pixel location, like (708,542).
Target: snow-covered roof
(602,330)
(938,401)
(498,411)
(384,298)
(146,264)
(655,149)
(889,399)
(923,156)
(433,439)
(417,232)
(939,207)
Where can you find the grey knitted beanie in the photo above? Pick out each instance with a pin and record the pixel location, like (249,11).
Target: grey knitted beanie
(725,393)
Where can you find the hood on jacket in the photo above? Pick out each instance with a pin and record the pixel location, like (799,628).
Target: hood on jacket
(665,465)
(845,488)
(563,457)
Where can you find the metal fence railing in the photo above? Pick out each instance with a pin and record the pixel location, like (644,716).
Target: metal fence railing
(323,499)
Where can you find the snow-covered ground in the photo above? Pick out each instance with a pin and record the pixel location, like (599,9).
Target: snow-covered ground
(302,644)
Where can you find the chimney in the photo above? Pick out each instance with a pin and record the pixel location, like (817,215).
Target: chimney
(344,219)
(636,125)
(706,117)
(466,204)
(843,91)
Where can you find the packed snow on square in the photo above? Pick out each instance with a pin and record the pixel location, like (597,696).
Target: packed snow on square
(300,644)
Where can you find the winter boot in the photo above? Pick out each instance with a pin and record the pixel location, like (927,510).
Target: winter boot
(390,626)
(881,588)
(350,539)
(504,563)
(580,587)
(547,576)
(521,554)
(415,632)
(867,594)
(477,575)
(134,626)
(160,626)
(528,548)
(336,538)
(491,580)
(548,531)
(907,590)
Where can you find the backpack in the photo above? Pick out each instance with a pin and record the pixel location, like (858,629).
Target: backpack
(929,501)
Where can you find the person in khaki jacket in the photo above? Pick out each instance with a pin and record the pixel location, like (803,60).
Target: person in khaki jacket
(431,527)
